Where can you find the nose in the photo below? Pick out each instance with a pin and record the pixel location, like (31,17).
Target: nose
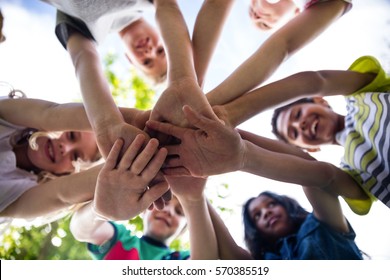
(168,209)
(65,148)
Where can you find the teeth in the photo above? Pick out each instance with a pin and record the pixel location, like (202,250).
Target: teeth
(314,127)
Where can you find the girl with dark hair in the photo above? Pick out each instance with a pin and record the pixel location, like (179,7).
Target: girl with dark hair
(278,227)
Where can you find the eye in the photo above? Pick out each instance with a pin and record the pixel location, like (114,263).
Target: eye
(256,216)
(271,204)
(160,50)
(72,136)
(179,211)
(292,133)
(75,156)
(298,114)
(147,62)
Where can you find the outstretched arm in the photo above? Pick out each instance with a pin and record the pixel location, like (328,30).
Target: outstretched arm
(86,226)
(183,85)
(303,84)
(294,35)
(207,29)
(50,116)
(190,193)
(102,112)
(54,195)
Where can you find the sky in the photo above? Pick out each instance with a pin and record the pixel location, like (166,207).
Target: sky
(34,61)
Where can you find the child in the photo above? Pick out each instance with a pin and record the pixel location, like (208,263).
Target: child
(304,27)
(33,184)
(277,227)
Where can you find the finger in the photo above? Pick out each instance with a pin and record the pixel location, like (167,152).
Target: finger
(199,120)
(154,166)
(143,159)
(112,158)
(166,128)
(132,152)
(153,195)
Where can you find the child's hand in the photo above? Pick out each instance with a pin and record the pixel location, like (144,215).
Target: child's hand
(107,135)
(123,187)
(135,117)
(169,106)
(212,148)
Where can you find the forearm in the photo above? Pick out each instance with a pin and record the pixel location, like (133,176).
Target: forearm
(287,168)
(86,226)
(44,115)
(54,195)
(201,229)
(99,104)
(207,30)
(275,145)
(176,39)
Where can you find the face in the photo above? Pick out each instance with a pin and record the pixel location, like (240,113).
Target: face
(308,125)
(57,155)
(266,14)
(269,217)
(163,224)
(144,48)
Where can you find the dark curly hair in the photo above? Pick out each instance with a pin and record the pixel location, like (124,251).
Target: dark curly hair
(254,239)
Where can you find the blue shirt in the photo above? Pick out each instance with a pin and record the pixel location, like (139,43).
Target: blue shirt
(317,241)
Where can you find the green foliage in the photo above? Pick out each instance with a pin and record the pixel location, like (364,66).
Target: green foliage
(131,91)
(48,242)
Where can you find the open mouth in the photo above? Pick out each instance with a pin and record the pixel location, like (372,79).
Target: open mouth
(313,128)
(49,150)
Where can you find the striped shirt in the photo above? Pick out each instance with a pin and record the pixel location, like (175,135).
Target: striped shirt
(365,137)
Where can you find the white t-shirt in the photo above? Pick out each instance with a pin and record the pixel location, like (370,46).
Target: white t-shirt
(103,16)
(13,180)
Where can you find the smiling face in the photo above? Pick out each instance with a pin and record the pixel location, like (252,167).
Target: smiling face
(163,224)
(270,218)
(309,125)
(266,14)
(145,49)
(56,155)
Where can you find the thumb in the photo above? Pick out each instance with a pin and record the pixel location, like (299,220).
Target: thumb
(198,120)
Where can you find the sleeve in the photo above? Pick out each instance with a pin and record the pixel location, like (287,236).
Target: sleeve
(98,252)
(66,25)
(369,64)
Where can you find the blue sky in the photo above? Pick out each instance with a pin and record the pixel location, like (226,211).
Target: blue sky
(33,60)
